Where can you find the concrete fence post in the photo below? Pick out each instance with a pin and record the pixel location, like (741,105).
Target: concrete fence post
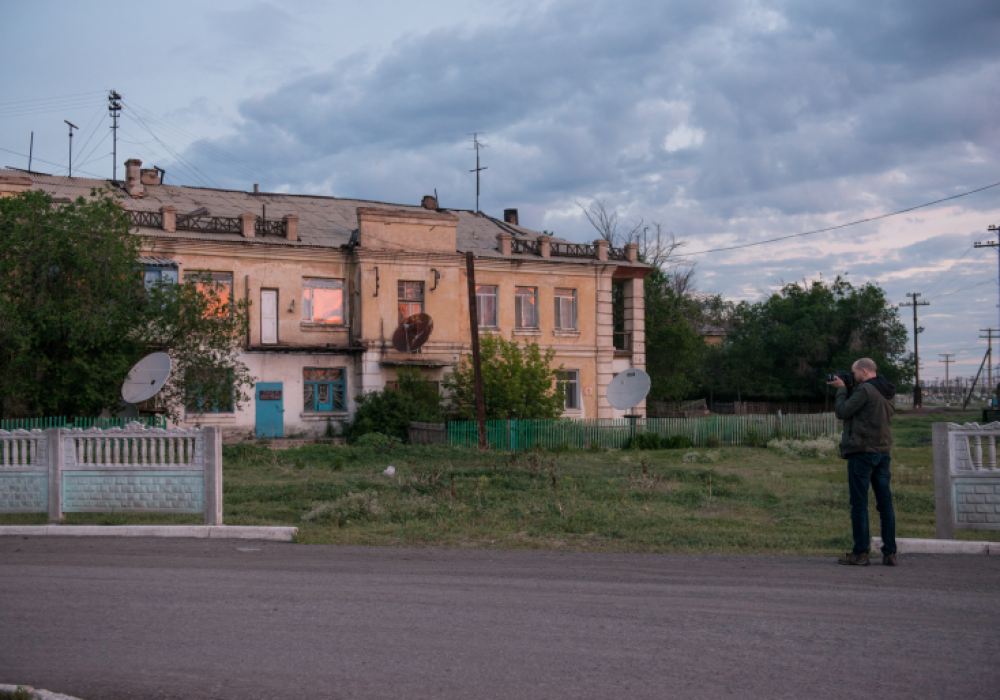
(213,475)
(945,529)
(55,458)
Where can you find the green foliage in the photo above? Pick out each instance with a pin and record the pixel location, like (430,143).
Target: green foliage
(652,441)
(781,348)
(674,346)
(518,382)
(75,315)
(390,411)
(378,441)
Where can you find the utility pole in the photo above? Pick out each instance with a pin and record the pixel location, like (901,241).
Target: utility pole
(917,330)
(477,367)
(71,127)
(114,107)
(947,381)
(31,150)
(477,144)
(989,355)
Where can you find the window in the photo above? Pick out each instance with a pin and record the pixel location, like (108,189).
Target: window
(323,389)
(218,286)
(569,383)
(565,308)
(198,395)
(526,307)
(323,301)
(411,299)
(154,274)
(486,305)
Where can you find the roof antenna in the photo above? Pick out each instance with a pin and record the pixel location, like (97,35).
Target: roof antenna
(476,145)
(435,196)
(31,150)
(71,127)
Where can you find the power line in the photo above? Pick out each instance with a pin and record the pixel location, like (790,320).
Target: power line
(48,162)
(840,226)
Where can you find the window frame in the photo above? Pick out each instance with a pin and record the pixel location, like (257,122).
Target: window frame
(146,269)
(519,323)
(560,324)
(403,297)
(197,409)
(332,387)
(308,303)
(570,386)
(496,305)
(193,275)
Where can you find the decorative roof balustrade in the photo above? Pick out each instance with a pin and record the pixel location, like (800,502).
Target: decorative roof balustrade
(519,245)
(147,219)
(617,254)
(209,224)
(269,227)
(573,250)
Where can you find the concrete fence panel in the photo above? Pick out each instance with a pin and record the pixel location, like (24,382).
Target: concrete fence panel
(966,477)
(132,469)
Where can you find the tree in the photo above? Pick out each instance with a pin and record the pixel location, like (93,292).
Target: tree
(674,346)
(518,382)
(75,314)
(782,348)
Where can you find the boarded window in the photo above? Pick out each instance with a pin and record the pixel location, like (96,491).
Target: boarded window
(269,316)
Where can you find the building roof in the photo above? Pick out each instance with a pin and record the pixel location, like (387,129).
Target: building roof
(327,222)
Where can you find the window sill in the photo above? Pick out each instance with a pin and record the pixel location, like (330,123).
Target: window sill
(315,416)
(314,326)
(495,330)
(527,331)
(566,332)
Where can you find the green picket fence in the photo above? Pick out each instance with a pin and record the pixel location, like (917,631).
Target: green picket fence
(512,435)
(63,422)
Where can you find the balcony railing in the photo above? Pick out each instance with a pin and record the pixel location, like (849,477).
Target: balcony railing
(622,342)
(209,224)
(519,246)
(269,227)
(147,219)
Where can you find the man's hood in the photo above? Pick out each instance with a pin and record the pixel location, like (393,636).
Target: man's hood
(885,388)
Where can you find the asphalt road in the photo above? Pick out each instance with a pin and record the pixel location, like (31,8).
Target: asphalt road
(112,618)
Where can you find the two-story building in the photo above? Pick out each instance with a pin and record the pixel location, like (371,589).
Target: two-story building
(330,279)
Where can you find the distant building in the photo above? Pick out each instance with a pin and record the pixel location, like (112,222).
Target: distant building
(329,280)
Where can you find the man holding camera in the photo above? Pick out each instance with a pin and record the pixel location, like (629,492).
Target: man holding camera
(866,407)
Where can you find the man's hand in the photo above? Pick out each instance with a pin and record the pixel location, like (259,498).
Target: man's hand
(838,382)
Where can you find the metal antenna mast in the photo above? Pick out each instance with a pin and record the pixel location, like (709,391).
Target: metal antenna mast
(71,127)
(476,145)
(948,359)
(917,330)
(114,107)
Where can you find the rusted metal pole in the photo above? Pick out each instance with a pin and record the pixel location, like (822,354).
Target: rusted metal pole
(477,366)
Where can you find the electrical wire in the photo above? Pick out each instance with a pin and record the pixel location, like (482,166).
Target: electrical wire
(840,226)
(47,162)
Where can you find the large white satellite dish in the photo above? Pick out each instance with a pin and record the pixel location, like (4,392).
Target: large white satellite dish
(628,389)
(146,378)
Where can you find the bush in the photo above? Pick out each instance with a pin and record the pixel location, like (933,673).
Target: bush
(712,441)
(652,441)
(379,441)
(390,411)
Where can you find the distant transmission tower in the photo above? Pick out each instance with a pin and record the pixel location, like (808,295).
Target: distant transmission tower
(476,145)
(114,107)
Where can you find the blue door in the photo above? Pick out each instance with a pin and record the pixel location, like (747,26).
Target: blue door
(270,410)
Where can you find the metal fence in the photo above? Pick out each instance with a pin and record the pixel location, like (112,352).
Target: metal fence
(615,433)
(85,423)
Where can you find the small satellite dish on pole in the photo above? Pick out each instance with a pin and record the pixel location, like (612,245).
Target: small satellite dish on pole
(146,378)
(628,389)
(412,332)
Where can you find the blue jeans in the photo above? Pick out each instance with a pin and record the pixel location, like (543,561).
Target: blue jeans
(872,468)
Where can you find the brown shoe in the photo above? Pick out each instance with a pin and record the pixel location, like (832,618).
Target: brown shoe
(852,559)
(889,560)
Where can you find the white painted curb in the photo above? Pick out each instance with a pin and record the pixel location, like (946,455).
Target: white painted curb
(37,694)
(914,546)
(233,532)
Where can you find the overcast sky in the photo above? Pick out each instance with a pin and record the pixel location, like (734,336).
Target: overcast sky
(726,122)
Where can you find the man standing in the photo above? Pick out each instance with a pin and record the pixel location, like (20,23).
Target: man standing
(865,443)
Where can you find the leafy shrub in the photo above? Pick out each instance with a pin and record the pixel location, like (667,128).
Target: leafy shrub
(652,441)
(390,411)
(712,441)
(378,441)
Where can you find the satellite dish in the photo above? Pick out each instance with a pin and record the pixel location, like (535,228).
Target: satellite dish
(628,389)
(413,332)
(146,378)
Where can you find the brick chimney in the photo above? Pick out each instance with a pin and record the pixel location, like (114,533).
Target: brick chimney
(510,217)
(292,227)
(149,176)
(429,202)
(133,178)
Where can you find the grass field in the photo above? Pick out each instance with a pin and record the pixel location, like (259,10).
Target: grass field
(728,500)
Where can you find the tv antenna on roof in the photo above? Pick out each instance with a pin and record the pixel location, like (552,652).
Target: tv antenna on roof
(476,145)
(114,107)
(71,127)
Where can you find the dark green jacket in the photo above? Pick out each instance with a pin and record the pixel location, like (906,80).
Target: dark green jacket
(867,414)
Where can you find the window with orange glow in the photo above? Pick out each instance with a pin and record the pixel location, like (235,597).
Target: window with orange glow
(217,286)
(323,301)
(526,307)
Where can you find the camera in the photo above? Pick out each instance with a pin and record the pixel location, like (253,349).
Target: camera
(845,375)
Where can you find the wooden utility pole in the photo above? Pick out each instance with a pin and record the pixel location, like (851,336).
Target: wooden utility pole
(477,367)
(917,396)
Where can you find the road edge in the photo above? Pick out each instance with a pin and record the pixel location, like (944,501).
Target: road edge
(918,546)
